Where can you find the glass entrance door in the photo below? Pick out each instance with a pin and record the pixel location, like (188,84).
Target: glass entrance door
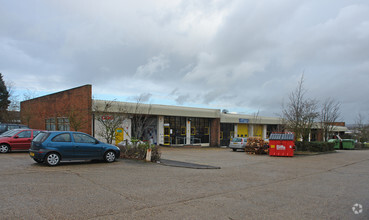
(166,135)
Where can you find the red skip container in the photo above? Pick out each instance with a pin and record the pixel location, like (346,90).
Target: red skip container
(281,144)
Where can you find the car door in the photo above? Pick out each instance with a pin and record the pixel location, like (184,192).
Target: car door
(63,144)
(22,140)
(86,147)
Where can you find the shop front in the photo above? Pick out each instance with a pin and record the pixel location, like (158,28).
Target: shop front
(186,130)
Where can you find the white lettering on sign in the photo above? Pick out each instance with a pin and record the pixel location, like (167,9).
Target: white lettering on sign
(281,147)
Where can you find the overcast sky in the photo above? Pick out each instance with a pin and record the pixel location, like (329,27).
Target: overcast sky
(240,55)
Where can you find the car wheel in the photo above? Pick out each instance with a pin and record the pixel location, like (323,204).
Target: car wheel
(109,156)
(52,159)
(38,160)
(4,148)
(234,149)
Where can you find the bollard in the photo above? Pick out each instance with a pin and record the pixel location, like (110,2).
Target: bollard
(148,155)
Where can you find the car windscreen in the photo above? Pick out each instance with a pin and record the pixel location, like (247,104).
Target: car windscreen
(237,140)
(41,137)
(9,133)
(35,133)
(11,127)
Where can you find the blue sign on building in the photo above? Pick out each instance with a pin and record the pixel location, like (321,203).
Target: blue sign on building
(243,120)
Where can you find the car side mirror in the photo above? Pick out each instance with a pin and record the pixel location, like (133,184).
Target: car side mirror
(16,136)
(96,142)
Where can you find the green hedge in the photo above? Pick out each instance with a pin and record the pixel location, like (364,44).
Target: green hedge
(138,151)
(314,146)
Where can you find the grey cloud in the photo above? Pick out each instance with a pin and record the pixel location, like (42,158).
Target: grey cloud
(141,98)
(182,99)
(243,55)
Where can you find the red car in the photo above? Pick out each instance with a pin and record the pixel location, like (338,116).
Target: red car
(17,139)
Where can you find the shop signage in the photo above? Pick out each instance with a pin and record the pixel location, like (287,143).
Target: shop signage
(107,117)
(243,120)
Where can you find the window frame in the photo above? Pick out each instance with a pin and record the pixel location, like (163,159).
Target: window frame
(58,135)
(83,135)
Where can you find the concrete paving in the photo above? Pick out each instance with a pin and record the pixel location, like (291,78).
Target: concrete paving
(246,187)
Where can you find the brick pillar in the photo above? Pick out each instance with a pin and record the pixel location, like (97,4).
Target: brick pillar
(215,132)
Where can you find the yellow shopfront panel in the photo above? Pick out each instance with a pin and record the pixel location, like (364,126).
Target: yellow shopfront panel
(119,135)
(242,130)
(167,139)
(258,130)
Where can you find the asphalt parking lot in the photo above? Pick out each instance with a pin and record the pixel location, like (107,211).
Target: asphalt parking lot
(245,187)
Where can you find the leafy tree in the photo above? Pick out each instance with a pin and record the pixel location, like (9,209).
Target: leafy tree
(4,99)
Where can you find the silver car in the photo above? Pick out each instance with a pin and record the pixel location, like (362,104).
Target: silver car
(238,143)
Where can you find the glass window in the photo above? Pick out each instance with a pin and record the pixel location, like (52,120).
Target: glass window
(50,124)
(62,138)
(206,132)
(41,137)
(193,130)
(25,134)
(178,127)
(63,124)
(83,138)
(228,133)
(183,130)
(35,133)
(200,130)
(9,133)
(11,127)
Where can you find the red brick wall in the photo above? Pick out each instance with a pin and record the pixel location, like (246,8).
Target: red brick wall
(73,103)
(215,132)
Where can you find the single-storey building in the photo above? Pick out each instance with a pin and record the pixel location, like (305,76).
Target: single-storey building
(74,109)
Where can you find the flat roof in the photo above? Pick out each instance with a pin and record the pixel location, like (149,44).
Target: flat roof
(155,109)
(318,125)
(181,111)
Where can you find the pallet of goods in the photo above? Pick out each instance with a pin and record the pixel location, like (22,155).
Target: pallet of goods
(256,145)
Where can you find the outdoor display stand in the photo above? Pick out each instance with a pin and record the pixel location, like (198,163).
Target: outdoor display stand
(281,144)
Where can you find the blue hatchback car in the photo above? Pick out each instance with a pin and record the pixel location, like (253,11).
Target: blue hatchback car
(51,147)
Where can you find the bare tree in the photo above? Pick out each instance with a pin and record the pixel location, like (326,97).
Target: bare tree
(361,129)
(300,112)
(329,114)
(27,114)
(257,127)
(13,98)
(110,119)
(77,119)
(140,118)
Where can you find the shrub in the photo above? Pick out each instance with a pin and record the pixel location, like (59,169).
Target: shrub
(366,145)
(361,145)
(137,150)
(314,146)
